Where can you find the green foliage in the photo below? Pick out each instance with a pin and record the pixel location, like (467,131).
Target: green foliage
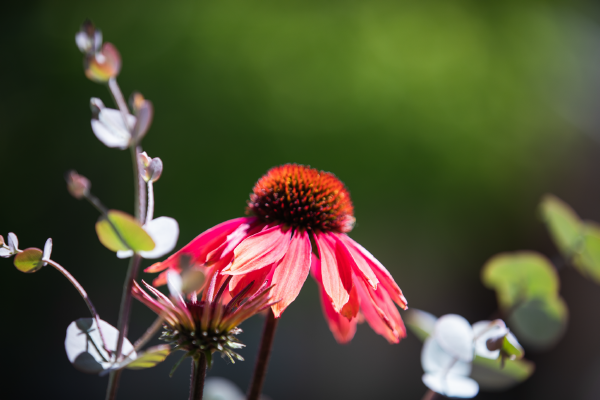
(130,235)
(563,223)
(511,350)
(29,260)
(540,323)
(520,276)
(500,374)
(147,359)
(526,285)
(577,240)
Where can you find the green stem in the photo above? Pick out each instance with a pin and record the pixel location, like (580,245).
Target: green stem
(197,377)
(264,353)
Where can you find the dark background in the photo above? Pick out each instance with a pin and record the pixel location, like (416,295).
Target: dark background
(446,120)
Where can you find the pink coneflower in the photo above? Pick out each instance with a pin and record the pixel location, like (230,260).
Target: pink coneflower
(299,220)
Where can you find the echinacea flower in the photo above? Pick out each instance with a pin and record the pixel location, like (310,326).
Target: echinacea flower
(299,220)
(203,326)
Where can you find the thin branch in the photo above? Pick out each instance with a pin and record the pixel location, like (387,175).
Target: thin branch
(83,294)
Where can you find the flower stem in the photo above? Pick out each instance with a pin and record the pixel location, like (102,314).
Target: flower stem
(83,294)
(431,395)
(123,324)
(197,377)
(264,352)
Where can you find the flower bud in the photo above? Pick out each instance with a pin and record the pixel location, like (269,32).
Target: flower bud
(78,185)
(103,65)
(88,39)
(1,240)
(151,167)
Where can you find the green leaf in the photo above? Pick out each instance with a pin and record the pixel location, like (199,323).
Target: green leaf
(29,260)
(540,323)
(150,357)
(131,235)
(587,261)
(520,276)
(563,223)
(490,374)
(511,348)
(421,323)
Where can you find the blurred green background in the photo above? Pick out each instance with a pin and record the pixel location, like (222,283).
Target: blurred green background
(447,120)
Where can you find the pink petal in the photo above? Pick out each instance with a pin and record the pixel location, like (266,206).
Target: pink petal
(360,266)
(380,312)
(385,278)
(343,329)
(239,282)
(291,272)
(203,244)
(336,278)
(350,309)
(259,250)
(232,241)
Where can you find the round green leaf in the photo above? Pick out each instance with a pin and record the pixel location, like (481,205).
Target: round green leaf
(540,323)
(587,260)
(131,235)
(150,357)
(29,260)
(511,348)
(563,223)
(494,375)
(520,276)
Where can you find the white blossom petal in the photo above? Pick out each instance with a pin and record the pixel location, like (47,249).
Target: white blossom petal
(47,251)
(5,253)
(434,359)
(451,385)
(109,127)
(165,232)
(485,330)
(455,335)
(13,243)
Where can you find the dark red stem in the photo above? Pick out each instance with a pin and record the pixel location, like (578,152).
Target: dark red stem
(260,370)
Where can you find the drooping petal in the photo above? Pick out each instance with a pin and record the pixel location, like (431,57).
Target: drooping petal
(380,312)
(203,244)
(259,250)
(337,285)
(342,328)
(351,308)
(382,274)
(291,272)
(360,266)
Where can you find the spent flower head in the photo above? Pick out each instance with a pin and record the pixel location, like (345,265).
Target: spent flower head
(208,325)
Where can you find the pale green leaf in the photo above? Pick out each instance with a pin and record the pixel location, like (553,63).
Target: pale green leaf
(494,375)
(150,357)
(131,235)
(540,323)
(520,276)
(563,223)
(587,261)
(29,260)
